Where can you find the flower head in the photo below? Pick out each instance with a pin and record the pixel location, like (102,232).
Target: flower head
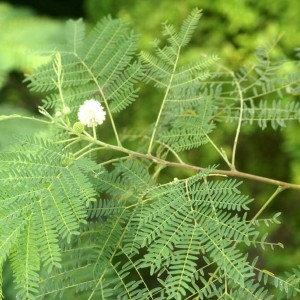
(58,114)
(78,127)
(66,110)
(91,113)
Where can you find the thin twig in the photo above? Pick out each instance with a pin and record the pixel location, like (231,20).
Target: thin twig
(230,173)
(238,129)
(163,104)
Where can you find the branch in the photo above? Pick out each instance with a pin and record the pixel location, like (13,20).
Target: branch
(157,160)
(231,173)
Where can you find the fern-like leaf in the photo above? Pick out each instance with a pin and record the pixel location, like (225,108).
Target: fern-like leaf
(26,262)
(176,126)
(94,65)
(260,89)
(44,194)
(187,218)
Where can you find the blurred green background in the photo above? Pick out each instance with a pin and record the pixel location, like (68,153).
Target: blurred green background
(231,29)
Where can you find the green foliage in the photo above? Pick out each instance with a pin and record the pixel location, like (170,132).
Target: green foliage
(42,201)
(11,126)
(90,216)
(95,66)
(264,79)
(25,40)
(236,28)
(184,120)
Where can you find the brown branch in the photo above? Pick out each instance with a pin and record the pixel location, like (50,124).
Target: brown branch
(231,173)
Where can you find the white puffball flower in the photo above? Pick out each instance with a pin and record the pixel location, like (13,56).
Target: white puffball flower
(91,113)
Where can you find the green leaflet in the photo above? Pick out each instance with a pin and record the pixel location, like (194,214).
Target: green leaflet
(98,64)
(25,39)
(44,194)
(261,89)
(185,117)
(186,221)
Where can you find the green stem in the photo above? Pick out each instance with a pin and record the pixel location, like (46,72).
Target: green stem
(105,102)
(60,76)
(163,104)
(277,191)
(3,118)
(114,160)
(82,151)
(172,151)
(72,140)
(222,153)
(238,129)
(89,151)
(94,132)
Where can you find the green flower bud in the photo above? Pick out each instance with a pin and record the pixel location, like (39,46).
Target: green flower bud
(58,114)
(66,110)
(78,127)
